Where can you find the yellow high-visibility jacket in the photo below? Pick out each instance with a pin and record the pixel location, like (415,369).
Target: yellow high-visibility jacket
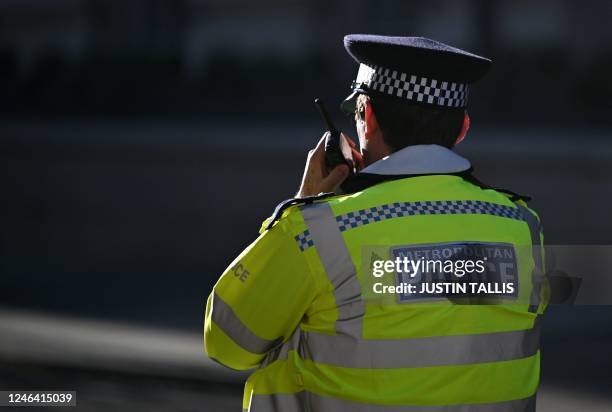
(298,303)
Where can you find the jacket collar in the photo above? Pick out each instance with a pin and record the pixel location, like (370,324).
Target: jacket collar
(419,160)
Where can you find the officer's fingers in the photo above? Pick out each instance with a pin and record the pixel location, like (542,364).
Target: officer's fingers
(316,157)
(320,147)
(334,178)
(351,141)
(320,144)
(358,159)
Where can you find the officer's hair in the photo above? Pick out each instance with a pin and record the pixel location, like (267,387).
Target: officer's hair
(408,124)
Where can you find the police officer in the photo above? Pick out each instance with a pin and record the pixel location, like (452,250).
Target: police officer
(297,303)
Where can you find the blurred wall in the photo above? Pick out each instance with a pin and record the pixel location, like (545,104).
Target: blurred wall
(213,58)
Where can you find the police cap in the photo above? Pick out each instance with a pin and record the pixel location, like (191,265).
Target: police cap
(416,70)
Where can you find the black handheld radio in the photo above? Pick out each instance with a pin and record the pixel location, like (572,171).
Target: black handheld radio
(337,148)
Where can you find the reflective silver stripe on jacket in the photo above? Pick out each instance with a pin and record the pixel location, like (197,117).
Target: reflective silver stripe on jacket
(295,342)
(225,318)
(421,352)
(537,275)
(338,265)
(311,402)
(348,352)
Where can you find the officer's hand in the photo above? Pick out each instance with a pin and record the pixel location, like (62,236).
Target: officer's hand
(316,179)
(357,157)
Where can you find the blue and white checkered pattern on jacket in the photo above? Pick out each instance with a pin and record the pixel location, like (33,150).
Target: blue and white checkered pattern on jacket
(304,240)
(362,217)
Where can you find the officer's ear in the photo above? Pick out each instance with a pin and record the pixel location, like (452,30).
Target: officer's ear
(464,128)
(371,123)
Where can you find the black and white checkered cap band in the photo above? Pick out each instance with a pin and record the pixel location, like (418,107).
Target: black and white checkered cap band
(411,87)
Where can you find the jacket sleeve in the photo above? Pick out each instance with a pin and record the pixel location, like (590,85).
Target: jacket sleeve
(258,301)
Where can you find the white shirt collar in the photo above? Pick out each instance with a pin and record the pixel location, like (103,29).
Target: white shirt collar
(419,159)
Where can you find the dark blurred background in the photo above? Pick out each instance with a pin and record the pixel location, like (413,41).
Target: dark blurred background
(142,143)
(231,59)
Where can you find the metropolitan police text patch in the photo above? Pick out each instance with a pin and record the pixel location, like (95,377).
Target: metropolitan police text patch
(440,270)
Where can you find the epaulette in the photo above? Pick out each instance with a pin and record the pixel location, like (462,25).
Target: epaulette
(513,195)
(467,175)
(280,208)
